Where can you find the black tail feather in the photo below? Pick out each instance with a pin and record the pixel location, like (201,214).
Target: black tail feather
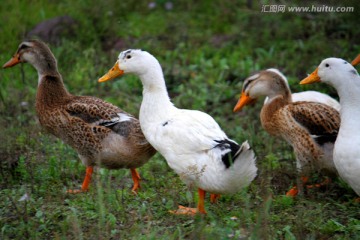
(230,156)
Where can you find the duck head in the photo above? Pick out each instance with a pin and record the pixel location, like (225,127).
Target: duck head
(133,61)
(332,71)
(36,53)
(270,82)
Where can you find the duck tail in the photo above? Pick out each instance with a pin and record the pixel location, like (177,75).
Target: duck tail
(245,165)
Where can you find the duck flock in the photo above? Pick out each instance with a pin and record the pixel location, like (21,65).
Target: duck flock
(324,133)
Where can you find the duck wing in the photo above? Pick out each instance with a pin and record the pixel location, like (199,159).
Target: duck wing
(189,132)
(99,114)
(321,121)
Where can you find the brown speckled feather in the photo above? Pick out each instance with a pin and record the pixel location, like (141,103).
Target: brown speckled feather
(319,119)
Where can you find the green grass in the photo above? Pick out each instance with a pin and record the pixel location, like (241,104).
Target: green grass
(202,72)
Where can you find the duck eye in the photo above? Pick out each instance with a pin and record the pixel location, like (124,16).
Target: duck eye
(23,47)
(327,65)
(128,56)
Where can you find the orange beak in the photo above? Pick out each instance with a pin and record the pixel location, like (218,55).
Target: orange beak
(356,61)
(13,61)
(312,78)
(114,72)
(243,101)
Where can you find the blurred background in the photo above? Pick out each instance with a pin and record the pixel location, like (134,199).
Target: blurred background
(206,48)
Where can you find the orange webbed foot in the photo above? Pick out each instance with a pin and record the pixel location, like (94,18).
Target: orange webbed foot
(192,211)
(326,182)
(185,211)
(86,182)
(293,192)
(76,191)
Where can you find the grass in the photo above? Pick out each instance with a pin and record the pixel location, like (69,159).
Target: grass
(206,49)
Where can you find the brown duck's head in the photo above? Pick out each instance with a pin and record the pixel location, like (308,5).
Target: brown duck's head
(268,82)
(35,52)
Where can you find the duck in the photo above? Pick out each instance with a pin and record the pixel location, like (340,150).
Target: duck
(101,133)
(309,127)
(311,96)
(341,75)
(191,141)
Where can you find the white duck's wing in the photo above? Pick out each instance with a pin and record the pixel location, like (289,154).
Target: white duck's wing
(188,131)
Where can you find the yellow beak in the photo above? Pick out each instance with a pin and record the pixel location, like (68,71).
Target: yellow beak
(243,101)
(312,78)
(114,72)
(356,61)
(13,61)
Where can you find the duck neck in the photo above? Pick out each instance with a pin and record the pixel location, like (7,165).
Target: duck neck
(350,110)
(274,103)
(51,89)
(45,64)
(156,104)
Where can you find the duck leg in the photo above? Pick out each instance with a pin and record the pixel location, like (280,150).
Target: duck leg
(201,202)
(192,211)
(214,197)
(86,182)
(136,178)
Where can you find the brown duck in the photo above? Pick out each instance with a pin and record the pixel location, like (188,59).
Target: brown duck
(310,128)
(101,133)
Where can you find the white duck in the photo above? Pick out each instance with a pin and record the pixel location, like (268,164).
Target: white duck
(191,141)
(345,79)
(310,96)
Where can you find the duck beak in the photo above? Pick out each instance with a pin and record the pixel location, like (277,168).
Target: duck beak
(356,61)
(243,101)
(312,78)
(114,72)
(13,61)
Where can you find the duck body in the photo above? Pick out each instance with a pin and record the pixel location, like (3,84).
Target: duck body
(197,149)
(192,143)
(345,79)
(312,142)
(309,127)
(346,152)
(101,133)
